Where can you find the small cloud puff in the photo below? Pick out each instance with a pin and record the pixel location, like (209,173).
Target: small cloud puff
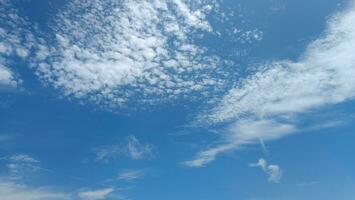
(274,171)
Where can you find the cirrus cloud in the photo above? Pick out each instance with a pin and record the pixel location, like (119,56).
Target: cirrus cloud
(266,105)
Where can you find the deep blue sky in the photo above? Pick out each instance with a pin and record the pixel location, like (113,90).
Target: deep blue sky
(51,137)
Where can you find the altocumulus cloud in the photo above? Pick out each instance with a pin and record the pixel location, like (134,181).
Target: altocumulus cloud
(266,104)
(111,51)
(14,37)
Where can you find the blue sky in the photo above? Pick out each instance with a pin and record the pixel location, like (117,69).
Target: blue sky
(173,99)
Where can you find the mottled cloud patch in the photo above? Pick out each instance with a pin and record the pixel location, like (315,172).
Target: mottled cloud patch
(16,41)
(121,52)
(14,33)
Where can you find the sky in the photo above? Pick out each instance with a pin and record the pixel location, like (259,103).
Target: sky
(177,99)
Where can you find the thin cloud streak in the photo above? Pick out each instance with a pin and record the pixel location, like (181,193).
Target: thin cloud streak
(130,175)
(95,194)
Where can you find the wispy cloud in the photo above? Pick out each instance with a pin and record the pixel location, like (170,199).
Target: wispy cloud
(96,194)
(274,171)
(10,190)
(130,175)
(23,158)
(266,104)
(21,165)
(131,148)
(243,132)
(17,184)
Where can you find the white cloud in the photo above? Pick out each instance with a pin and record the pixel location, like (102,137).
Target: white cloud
(13,34)
(7,77)
(14,191)
(111,52)
(96,194)
(15,41)
(267,103)
(131,148)
(274,171)
(130,175)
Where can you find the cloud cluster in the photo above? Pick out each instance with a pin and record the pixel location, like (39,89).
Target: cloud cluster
(266,104)
(14,37)
(114,52)
(274,171)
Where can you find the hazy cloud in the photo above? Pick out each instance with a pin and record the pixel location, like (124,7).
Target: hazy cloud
(130,175)
(95,194)
(10,190)
(131,148)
